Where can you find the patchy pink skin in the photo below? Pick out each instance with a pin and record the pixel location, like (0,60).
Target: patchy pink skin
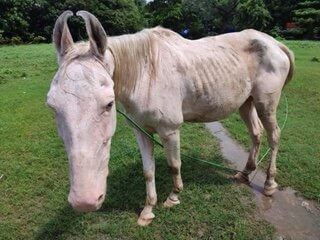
(161,80)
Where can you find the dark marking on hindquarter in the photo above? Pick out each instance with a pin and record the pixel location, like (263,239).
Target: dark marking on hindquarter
(260,49)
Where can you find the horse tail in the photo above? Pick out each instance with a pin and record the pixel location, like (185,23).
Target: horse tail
(290,56)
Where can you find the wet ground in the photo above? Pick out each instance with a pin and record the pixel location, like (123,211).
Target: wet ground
(294,217)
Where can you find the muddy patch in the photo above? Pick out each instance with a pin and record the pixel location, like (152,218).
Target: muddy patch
(294,217)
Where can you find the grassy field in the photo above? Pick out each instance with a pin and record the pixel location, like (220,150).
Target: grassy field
(299,155)
(34,186)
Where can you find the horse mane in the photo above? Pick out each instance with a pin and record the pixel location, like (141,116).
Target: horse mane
(135,57)
(132,53)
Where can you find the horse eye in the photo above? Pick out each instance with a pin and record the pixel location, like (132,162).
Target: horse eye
(109,106)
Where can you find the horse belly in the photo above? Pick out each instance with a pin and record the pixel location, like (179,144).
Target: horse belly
(213,108)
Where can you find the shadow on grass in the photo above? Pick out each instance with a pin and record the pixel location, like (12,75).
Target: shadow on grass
(126,185)
(126,192)
(63,222)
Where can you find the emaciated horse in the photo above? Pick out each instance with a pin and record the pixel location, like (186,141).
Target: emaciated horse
(161,80)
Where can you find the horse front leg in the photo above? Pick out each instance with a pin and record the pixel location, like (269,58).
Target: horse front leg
(171,142)
(146,149)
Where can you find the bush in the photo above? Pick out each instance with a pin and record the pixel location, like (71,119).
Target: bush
(38,39)
(316,32)
(16,40)
(293,33)
(276,32)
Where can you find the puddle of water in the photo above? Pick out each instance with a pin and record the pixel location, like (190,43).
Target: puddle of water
(293,217)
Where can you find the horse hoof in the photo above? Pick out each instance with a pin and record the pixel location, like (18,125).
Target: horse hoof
(170,203)
(269,191)
(240,177)
(145,220)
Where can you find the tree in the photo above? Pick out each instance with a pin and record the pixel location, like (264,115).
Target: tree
(281,11)
(216,16)
(116,16)
(307,15)
(226,9)
(220,16)
(29,19)
(192,20)
(13,21)
(167,13)
(252,14)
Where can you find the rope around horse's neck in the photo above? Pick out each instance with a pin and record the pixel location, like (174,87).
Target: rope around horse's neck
(138,127)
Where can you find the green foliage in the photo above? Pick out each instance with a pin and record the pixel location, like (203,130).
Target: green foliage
(194,18)
(37,39)
(252,14)
(16,40)
(220,16)
(293,33)
(13,21)
(276,32)
(166,13)
(33,20)
(224,14)
(281,11)
(307,15)
(28,19)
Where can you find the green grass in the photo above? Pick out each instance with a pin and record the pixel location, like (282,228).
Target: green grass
(298,160)
(34,186)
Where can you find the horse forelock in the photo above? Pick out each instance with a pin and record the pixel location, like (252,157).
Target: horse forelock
(80,49)
(81,55)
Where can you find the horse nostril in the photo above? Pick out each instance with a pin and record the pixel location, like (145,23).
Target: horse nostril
(100,198)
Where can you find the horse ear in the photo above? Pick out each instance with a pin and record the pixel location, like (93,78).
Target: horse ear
(97,35)
(62,38)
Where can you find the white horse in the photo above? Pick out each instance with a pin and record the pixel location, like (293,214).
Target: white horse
(161,80)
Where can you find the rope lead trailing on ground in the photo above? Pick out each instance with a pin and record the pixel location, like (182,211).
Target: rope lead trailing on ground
(160,144)
(137,126)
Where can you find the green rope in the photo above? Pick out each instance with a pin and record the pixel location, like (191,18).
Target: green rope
(211,163)
(137,126)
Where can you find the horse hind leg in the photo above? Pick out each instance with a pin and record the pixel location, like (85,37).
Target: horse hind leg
(266,107)
(250,117)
